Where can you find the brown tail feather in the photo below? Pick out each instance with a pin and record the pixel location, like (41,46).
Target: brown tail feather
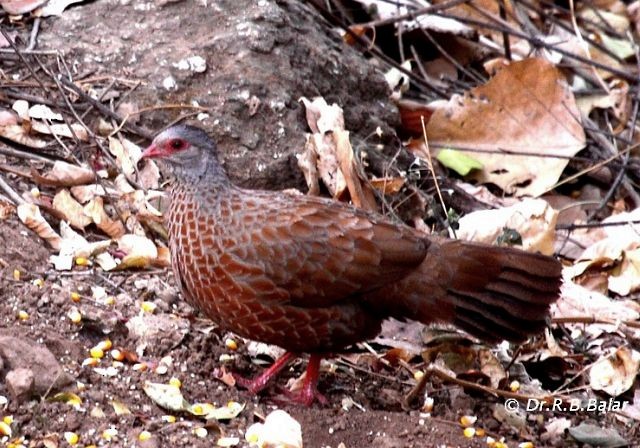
(493,293)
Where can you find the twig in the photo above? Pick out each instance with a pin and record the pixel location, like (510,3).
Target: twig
(15,197)
(33,38)
(435,180)
(22,58)
(505,36)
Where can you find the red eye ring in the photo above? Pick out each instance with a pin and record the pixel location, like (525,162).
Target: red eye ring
(177,144)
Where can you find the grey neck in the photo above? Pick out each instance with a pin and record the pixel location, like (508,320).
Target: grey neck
(202,173)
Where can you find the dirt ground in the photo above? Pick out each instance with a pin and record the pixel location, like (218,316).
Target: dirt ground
(260,58)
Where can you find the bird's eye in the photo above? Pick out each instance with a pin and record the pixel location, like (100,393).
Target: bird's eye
(176,144)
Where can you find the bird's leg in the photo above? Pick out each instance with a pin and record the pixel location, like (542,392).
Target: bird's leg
(309,391)
(259,383)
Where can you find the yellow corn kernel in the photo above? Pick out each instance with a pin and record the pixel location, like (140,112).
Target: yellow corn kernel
(148,307)
(468,420)
(23,315)
(35,193)
(175,382)
(526,445)
(418,374)
(96,353)
(75,296)
(169,418)
(144,435)
(71,437)
(480,432)
(109,433)
(82,261)
(469,432)
(38,282)
(105,345)
(201,432)
(8,419)
(140,366)
(109,300)
(117,355)
(91,362)
(16,274)
(231,344)
(5,429)
(514,386)
(75,316)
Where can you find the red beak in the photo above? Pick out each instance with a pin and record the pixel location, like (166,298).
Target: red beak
(152,152)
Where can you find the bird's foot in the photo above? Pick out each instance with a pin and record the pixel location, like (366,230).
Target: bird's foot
(260,382)
(309,391)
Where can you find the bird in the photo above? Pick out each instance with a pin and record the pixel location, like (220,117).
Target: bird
(315,275)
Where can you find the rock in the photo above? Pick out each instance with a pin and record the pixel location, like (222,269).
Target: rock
(158,333)
(20,383)
(20,354)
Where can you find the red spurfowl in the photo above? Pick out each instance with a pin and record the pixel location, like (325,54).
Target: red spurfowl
(315,275)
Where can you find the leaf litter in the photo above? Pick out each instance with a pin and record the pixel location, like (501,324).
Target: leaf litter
(515,135)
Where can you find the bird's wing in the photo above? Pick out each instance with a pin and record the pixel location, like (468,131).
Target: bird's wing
(314,252)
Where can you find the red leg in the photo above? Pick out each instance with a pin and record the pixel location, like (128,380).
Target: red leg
(259,383)
(309,390)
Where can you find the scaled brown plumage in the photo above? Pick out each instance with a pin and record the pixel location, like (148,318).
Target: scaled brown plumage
(314,275)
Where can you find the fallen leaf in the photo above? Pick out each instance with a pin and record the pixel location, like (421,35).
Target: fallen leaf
(615,374)
(17,7)
(42,112)
(360,192)
(54,8)
(64,174)
(30,215)
(140,251)
(61,130)
(70,209)
(458,161)
(533,219)
(279,430)
(526,107)
(166,396)
(95,210)
(387,185)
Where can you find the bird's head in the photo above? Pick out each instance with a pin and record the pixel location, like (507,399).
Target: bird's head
(187,151)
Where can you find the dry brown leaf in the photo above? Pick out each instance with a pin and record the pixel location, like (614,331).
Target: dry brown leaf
(19,134)
(617,100)
(70,209)
(526,107)
(61,130)
(533,219)
(30,215)
(84,193)
(614,258)
(149,175)
(6,209)
(140,251)
(17,7)
(121,152)
(308,164)
(388,185)
(615,374)
(361,194)
(64,174)
(112,227)
(321,117)
(163,260)
(412,114)
(577,301)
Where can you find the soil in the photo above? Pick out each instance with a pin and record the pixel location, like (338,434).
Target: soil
(261,57)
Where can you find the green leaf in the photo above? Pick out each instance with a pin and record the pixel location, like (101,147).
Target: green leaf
(458,161)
